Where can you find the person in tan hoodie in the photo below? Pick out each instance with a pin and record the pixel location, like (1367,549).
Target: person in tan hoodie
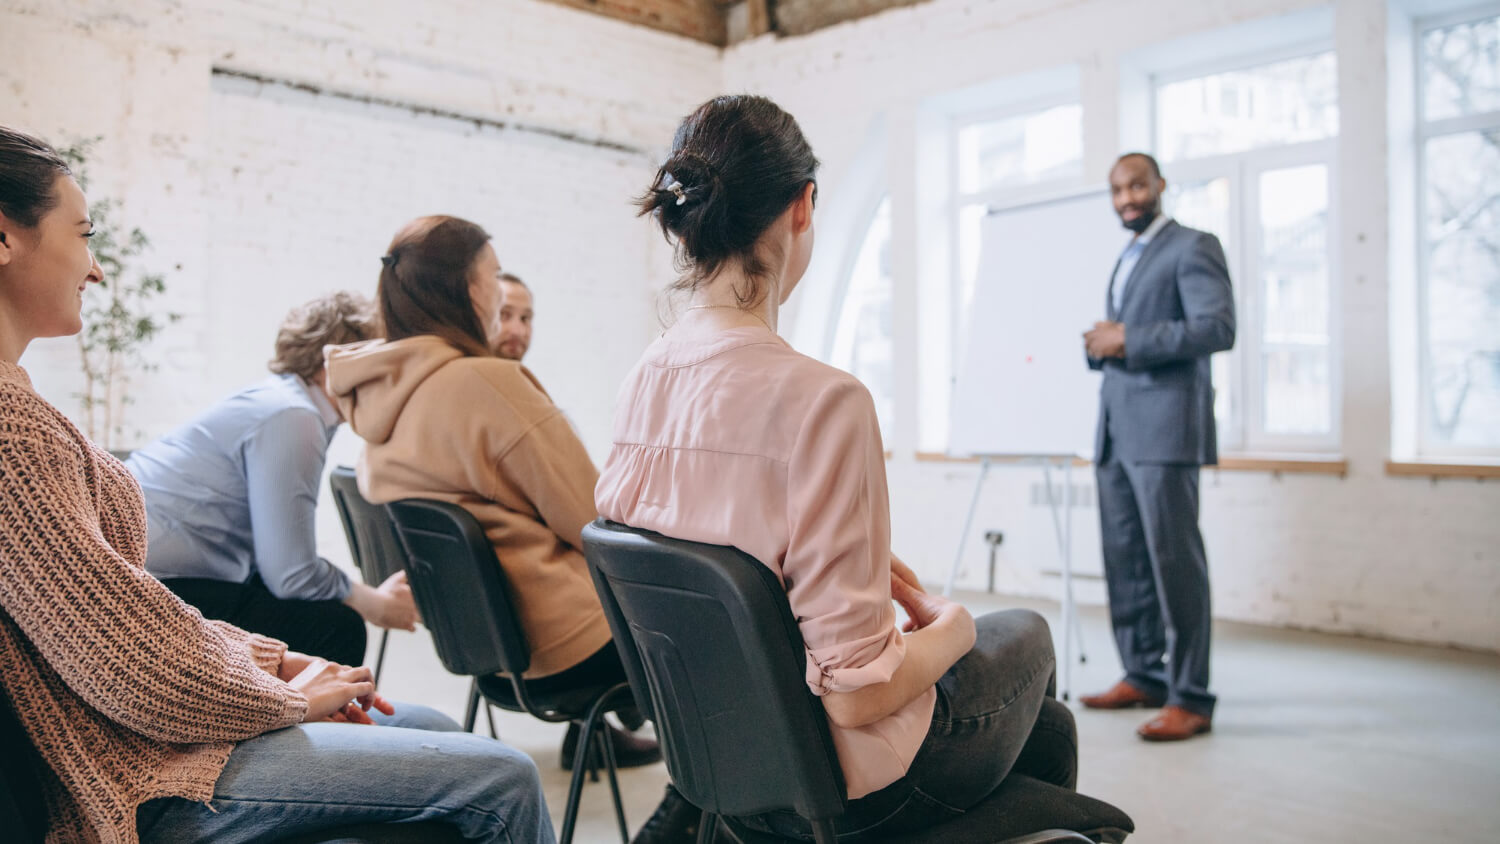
(445,418)
(126,716)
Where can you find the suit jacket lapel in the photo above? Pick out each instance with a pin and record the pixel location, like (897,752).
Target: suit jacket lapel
(1109,294)
(1137,273)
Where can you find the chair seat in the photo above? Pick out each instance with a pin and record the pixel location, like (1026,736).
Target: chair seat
(573,703)
(1012,813)
(1023,805)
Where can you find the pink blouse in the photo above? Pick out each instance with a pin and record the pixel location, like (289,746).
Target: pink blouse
(739,440)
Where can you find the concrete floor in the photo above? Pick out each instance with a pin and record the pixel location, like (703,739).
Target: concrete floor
(1317,738)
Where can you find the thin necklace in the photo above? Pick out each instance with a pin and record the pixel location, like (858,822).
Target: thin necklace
(733,308)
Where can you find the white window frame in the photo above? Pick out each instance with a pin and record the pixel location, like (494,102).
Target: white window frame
(1245,431)
(1426,130)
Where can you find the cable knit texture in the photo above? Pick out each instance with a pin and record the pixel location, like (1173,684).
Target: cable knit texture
(127,692)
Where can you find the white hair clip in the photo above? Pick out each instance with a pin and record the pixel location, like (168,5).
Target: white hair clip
(676,188)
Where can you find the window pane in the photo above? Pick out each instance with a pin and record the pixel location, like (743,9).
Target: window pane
(970,218)
(1021,150)
(1461,69)
(1295,300)
(1296,390)
(1463,289)
(1204,205)
(862,344)
(1281,103)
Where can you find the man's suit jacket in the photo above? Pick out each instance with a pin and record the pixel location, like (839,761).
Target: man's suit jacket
(1157,404)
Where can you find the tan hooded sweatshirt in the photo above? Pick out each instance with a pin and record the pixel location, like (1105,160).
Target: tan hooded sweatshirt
(483,434)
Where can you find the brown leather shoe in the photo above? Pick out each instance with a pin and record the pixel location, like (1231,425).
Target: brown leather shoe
(1174,723)
(1121,695)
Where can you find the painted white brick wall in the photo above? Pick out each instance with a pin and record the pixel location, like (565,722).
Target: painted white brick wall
(259,197)
(1396,557)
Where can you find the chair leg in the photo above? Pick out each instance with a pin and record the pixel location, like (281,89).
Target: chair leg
(708,827)
(607,747)
(489,714)
(585,749)
(575,785)
(473,710)
(385,636)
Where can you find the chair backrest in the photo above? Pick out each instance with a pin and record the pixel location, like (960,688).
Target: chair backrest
(708,639)
(23,810)
(372,539)
(460,589)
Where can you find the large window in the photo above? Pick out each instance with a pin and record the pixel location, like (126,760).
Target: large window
(1458,90)
(862,344)
(1248,155)
(1005,157)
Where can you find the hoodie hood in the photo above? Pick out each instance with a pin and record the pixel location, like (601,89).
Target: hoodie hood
(373,380)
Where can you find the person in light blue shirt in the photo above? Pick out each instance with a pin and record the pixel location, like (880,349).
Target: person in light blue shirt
(231,501)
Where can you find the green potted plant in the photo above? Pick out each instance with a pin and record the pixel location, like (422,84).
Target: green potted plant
(120,320)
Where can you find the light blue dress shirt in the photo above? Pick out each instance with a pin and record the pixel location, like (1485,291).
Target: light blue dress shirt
(234,492)
(1132,256)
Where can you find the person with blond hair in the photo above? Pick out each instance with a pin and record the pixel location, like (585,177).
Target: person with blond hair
(231,500)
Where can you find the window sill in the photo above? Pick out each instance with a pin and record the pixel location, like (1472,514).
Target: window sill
(1435,470)
(940,457)
(1307,465)
(1297,464)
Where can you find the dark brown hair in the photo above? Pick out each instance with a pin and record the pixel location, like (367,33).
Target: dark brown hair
(332,320)
(424,283)
(737,162)
(29,169)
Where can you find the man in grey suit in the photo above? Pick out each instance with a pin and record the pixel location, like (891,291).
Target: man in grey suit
(1170,307)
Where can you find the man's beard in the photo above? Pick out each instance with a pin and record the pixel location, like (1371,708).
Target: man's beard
(1144,220)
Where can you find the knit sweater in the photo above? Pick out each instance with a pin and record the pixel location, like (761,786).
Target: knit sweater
(127,693)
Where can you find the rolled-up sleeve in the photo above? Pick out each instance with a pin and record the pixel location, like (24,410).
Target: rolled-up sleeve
(837,567)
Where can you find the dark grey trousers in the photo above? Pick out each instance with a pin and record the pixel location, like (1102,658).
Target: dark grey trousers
(1157,575)
(995,715)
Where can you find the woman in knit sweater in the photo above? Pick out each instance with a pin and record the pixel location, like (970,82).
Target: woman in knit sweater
(150,723)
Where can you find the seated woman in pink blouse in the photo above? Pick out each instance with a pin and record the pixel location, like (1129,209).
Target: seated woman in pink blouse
(725,434)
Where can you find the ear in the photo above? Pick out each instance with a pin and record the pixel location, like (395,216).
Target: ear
(7,239)
(802,208)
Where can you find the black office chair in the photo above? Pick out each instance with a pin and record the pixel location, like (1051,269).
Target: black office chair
(372,541)
(699,625)
(465,601)
(378,554)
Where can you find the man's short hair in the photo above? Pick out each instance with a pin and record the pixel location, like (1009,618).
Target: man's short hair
(1149,159)
(332,320)
(513,279)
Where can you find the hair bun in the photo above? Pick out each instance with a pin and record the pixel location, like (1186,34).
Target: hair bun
(737,163)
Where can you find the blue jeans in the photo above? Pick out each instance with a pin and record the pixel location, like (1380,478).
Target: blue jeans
(995,714)
(416,766)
